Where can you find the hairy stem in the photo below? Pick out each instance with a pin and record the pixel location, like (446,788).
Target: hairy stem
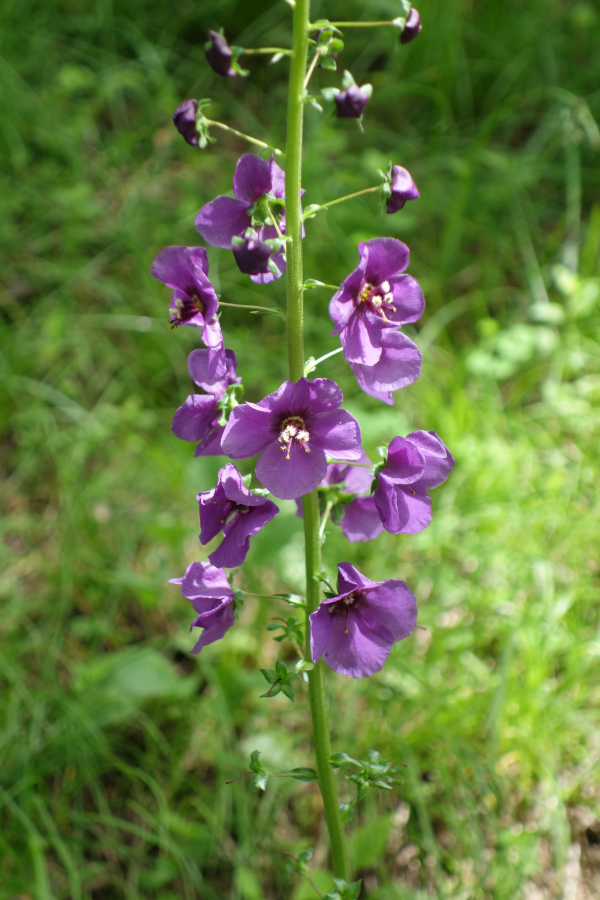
(247,137)
(321,206)
(310,505)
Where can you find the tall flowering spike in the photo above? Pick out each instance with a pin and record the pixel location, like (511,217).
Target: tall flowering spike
(219,55)
(257,186)
(412,28)
(398,366)
(236,511)
(402,188)
(184,119)
(211,596)
(293,428)
(198,418)
(414,465)
(355,631)
(194,301)
(374,298)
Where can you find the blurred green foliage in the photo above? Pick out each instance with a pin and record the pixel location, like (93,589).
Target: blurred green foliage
(116,744)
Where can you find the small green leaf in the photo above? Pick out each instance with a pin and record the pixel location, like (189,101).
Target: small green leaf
(302,774)
(260,779)
(288,690)
(270,675)
(342,760)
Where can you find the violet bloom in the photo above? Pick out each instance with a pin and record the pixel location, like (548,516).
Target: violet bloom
(374,298)
(236,511)
(360,520)
(355,631)
(211,596)
(398,366)
(198,418)
(412,28)
(219,55)
(225,217)
(252,256)
(415,464)
(194,301)
(184,118)
(351,102)
(293,428)
(402,187)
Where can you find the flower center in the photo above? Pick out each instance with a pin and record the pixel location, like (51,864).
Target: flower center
(346,605)
(293,429)
(378,299)
(184,308)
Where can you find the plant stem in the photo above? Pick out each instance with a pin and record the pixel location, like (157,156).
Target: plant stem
(314,211)
(247,137)
(269,309)
(363,24)
(312,364)
(248,50)
(310,504)
(324,518)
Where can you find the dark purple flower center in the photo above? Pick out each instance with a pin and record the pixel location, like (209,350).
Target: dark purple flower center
(232,509)
(293,428)
(346,605)
(184,308)
(377,298)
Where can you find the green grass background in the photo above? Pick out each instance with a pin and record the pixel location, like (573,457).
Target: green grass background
(116,743)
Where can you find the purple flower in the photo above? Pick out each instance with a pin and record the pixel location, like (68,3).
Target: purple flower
(219,55)
(415,464)
(374,298)
(211,597)
(194,302)
(351,102)
(412,27)
(225,217)
(293,429)
(354,632)
(398,366)
(247,513)
(402,189)
(252,256)
(198,418)
(184,118)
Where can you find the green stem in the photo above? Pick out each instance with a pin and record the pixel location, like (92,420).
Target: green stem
(247,137)
(310,503)
(312,364)
(314,211)
(363,24)
(248,50)
(269,309)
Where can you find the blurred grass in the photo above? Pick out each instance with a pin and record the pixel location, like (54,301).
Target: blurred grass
(116,743)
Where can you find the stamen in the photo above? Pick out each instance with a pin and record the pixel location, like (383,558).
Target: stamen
(293,428)
(385,286)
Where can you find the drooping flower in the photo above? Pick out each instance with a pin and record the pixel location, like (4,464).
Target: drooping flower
(211,596)
(415,464)
(351,101)
(355,631)
(184,118)
(257,186)
(398,366)
(293,428)
(219,55)
(198,418)
(194,301)
(235,510)
(412,28)
(376,297)
(402,187)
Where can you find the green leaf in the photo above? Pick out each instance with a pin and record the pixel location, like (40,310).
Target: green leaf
(260,779)
(288,690)
(270,675)
(281,669)
(302,774)
(342,760)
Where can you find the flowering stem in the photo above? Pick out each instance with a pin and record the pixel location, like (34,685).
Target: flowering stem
(247,137)
(314,211)
(310,503)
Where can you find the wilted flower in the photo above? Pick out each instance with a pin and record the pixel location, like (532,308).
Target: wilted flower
(198,418)
(412,27)
(402,188)
(398,366)
(219,55)
(375,298)
(414,465)
(257,186)
(293,428)
(194,301)
(235,510)
(355,631)
(184,118)
(211,596)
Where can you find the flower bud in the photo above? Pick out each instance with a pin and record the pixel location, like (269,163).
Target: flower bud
(219,55)
(412,27)
(402,188)
(184,119)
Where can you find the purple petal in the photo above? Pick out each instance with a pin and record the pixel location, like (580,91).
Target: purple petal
(321,624)
(361,521)
(252,178)
(194,419)
(412,27)
(270,276)
(318,396)
(361,339)
(387,257)
(252,257)
(201,366)
(213,338)
(393,605)
(219,55)
(337,433)
(350,579)
(439,462)
(237,533)
(408,299)
(293,477)
(179,267)
(403,189)
(211,444)
(277,180)
(221,220)
(354,649)
(204,582)
(215,624)
(402,511)
(405,462)
(398,366)
(248,431)
(341,305)
(184,119)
